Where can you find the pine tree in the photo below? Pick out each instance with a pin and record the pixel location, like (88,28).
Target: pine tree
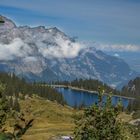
(11,103)
(16,105)
(4,107)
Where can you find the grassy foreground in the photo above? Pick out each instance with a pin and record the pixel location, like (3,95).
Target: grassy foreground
(50,119)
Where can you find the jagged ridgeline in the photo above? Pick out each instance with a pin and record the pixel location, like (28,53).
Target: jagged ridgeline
(16,86)
(57,56)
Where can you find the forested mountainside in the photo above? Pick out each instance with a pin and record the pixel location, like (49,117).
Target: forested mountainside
(133,87)
(16,87)
(130,90)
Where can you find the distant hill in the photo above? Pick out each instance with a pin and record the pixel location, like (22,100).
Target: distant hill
(132,88)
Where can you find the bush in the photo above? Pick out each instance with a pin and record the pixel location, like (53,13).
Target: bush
(99,122)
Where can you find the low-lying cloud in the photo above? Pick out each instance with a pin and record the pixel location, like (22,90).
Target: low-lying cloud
(17,48)
(20,49)
(118,47)
(62,49)
(59,48)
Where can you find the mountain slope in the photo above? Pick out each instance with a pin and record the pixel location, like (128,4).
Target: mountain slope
(49,54)
(133,87)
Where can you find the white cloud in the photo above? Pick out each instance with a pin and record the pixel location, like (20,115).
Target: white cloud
(62,48)
(30,59)
(17,48)
(117,47)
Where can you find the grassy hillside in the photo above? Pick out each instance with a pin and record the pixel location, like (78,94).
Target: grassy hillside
(50,119)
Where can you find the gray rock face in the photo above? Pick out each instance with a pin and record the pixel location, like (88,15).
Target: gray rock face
(49,54)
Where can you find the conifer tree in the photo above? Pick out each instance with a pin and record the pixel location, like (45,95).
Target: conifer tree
(4,107)
(16,105)
(99,122)
(11,103)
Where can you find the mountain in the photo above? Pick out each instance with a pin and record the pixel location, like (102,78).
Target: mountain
(133,87)
(49,54)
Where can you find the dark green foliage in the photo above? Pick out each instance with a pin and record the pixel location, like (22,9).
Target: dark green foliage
(89,84)
(6,136)
(16,105)
(134,130)
(136,107)
(4,106)
(136,104)
(100,122)
(7,112)
(15,85)
(11,102)
(133,88)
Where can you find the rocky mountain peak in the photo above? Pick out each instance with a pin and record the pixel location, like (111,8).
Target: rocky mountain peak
(47,54)
(7,25)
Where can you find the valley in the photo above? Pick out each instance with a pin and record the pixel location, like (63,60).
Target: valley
(55,87)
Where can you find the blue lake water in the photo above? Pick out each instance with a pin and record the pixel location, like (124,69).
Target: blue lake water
(76,98)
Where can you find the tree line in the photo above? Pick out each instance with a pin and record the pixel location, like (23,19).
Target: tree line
(130,90)
(89,84)
(16,86)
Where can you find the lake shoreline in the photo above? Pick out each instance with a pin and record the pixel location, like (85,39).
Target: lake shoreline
(89,91)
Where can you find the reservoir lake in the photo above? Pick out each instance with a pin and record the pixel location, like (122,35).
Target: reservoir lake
(75,98)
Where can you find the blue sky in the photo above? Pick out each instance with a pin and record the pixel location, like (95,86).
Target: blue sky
(103,21)
(113,24)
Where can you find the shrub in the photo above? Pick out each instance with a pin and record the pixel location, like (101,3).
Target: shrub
(99,122)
